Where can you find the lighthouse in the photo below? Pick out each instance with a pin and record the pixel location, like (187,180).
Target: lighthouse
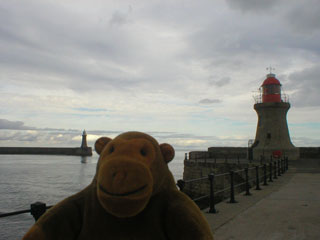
(84,144)
(272,135)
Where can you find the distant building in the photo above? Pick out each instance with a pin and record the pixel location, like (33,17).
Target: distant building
(272,135)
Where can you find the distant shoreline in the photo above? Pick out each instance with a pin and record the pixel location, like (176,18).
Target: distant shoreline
(47,151)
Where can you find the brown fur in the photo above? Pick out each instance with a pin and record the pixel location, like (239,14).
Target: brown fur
(132,196)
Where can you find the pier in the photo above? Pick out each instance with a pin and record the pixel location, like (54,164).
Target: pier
(286,209)
(83,150)
(78,151)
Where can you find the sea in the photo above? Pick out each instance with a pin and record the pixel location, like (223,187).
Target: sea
(25,179)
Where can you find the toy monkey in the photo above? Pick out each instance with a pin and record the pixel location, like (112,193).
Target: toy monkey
(132,196)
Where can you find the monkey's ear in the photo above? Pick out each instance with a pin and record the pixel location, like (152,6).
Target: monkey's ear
(167,152)
(101,143)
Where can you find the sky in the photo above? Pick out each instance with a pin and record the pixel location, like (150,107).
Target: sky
(183,71)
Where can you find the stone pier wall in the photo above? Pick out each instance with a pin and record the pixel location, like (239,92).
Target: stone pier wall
(219,153)
(219,160)
(201,169)
(309,152)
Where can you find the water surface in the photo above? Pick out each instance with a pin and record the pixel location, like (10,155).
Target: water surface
(25,179)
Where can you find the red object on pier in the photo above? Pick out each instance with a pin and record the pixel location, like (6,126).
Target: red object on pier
(277,154)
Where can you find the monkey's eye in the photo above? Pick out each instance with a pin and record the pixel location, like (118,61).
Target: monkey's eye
(143,152)
(111,149)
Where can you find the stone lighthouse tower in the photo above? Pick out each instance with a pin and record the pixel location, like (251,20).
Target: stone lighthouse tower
(84,144)
(272,135)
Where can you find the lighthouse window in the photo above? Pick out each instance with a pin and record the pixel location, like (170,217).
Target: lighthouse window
(272,89)
(269,135)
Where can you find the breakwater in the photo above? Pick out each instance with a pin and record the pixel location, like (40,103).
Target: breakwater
(47,151)
(197,169)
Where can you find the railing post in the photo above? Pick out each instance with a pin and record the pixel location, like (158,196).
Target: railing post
(37,209)
(257,178)
(275,170)
(247,182)
(261,159)
(232,200)
(270,172)
(181,183)
(265,175)
(279,170)
(212,208)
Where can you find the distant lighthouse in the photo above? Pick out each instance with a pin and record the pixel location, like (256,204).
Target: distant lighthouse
(84,140)
(272,135)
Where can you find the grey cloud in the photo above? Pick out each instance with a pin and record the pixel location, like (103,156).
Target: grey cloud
(36,138)
(40,137)
(17,125)
(221,82)
(251,5)
(52,45)
(17,136)
(247,45)
(60,50)
(302,16)
(305,16)
(103,132)
(306,85)
(209,101)
(120,17)
(85,109)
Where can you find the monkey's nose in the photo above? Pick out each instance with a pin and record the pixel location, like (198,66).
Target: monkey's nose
(119,177)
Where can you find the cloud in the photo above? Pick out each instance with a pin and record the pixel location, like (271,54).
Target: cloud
(219,83)
(15,125)
(305,86)
(48,52)
(21,137)
(209,101)
(112,67)
(251,5)
(46,137)
(120,17)
(83,109)
(304,16)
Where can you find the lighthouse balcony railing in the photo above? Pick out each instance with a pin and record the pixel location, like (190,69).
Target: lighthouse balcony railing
(258,98)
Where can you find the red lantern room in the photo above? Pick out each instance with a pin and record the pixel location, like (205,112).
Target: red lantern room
(271,89)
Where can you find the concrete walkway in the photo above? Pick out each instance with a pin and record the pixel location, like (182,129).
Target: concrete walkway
(288,208)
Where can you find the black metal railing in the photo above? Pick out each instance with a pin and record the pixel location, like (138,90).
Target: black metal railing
(36,210)
(266,172)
